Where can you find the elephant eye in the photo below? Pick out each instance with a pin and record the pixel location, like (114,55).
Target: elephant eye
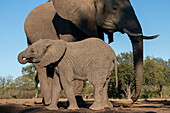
(32,51)
(114,8)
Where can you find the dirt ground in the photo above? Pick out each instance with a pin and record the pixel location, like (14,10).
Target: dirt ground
(119,106)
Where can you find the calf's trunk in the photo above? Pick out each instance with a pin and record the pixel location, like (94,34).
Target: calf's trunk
(21,58)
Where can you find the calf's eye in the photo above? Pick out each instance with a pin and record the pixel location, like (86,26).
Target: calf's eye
(32,51)
(114,8)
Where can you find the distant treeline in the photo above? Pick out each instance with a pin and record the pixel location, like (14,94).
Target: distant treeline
(156,81)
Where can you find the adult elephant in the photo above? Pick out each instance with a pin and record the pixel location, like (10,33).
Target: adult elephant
(83,19)
(94,17)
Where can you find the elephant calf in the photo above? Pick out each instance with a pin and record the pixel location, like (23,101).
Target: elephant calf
(91,59)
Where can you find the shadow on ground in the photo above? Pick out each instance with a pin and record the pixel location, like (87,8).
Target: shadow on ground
(144,106)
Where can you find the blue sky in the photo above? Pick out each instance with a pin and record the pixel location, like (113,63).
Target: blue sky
(154,16)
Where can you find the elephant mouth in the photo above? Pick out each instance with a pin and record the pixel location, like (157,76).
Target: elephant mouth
(109,26)
(124,30)
(29,60)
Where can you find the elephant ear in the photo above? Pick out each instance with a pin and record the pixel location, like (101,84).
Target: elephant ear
(80,12)
(53,53)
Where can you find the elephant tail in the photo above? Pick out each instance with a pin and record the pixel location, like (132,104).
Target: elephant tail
(115,62)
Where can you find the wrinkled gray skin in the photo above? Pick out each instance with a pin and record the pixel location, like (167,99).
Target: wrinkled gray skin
(94,17)
(85,19)
(91,59)
(42,23)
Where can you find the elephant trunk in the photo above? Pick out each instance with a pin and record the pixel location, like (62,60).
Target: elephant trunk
(21,58)
(137,43)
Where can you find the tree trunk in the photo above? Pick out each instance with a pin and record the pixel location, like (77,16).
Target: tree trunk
(128,92)
(160,91)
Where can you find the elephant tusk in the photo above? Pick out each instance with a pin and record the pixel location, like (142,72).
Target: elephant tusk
(151,37)
(139,34)
(132,34)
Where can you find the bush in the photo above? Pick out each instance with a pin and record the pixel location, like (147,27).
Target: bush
(166,92)
(151,91)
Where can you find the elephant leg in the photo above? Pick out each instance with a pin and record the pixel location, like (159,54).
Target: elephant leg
(66,77)
(78,89)
(50,83)
(56,91)
(98,83)
(106,101)
(42,76)
(78,85)
(105,95)
(50,74)
(98,103)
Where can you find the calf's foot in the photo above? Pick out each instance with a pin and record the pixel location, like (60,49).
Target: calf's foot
(73,107)
(52,107)
(98,106)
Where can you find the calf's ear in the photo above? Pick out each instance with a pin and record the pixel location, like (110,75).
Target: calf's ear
(54,52)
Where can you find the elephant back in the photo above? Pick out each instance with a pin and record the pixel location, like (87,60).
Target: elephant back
(38,24)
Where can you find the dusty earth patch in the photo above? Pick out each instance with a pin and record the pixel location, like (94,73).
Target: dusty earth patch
(119,106)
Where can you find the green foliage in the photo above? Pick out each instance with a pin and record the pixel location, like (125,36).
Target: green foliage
(152,91)
(88,90)
(156,72)
(5,84)
(26,82)
(166,92)
(125,74)
(21,87)
(112,93)
(156,77)
(125,68)
(149,92)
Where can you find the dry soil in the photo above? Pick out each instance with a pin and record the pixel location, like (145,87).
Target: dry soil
(119,106)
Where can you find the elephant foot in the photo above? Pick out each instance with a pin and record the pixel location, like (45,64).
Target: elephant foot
(73,107)
(46,102)
(52,107)
(98,106)
(108,104)
(80,101)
